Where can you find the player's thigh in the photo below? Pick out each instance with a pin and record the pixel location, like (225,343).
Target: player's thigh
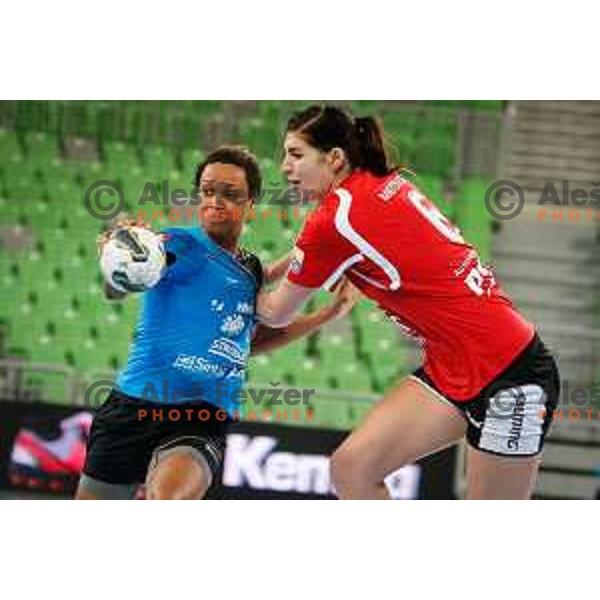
(491,477)
(412,421)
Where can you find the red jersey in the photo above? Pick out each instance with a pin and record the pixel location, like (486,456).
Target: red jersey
(400,251)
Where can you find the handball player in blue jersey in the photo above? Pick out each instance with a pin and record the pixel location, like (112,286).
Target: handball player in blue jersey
(164,423)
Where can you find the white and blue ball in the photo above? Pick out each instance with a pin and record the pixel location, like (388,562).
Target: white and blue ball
(133,259)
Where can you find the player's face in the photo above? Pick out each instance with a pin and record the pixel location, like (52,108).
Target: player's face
(306,168)
(224,202)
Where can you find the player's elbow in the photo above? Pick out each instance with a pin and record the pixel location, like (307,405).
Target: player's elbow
(273,314)
(278,309)
(276,319)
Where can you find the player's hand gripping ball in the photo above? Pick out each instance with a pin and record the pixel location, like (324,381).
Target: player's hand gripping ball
(133,259)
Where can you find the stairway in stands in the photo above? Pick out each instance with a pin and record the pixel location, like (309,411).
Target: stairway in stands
(546,264)
(550,266)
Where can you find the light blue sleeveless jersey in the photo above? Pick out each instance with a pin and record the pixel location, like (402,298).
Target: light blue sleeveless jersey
(193,335)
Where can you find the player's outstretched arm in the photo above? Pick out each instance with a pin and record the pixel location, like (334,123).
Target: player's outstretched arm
(267,339)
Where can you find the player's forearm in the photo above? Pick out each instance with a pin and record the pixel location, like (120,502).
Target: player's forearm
(277,269)
(271,311)
(278,308)
(268,339)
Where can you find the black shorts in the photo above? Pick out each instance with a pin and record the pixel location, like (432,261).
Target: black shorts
(127,433)
(511,415)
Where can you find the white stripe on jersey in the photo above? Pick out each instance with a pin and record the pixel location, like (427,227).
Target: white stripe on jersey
(342,223)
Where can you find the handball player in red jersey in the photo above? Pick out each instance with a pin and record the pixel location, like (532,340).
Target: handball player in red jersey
(486,373)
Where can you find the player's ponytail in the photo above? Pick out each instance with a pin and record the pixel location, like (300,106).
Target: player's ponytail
(370,149)
(362,139)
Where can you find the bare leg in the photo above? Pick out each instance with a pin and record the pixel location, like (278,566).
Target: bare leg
(412,421)
(491,477)
(179,475)
(83,494)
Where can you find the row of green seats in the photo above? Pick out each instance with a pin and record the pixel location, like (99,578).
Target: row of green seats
(61,311)
(422,138)
(424,143)
(473,216)
(133,121)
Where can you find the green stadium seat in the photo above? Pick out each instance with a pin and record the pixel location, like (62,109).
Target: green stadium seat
(432,187)
(10,148)
(190,159)
(473,217)
(158,162)
(260,369)
(330,413)
(84,174)
(338,357)
(42,148)
(262,134)
(380,346)
(121,159)
(18,186)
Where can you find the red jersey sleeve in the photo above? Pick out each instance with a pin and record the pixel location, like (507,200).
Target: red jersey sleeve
(321,253)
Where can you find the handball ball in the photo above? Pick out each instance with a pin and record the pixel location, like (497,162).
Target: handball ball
(133,259)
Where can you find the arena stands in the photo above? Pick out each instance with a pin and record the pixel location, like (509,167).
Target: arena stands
(53,311)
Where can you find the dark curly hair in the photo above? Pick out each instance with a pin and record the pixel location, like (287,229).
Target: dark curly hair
(238,156)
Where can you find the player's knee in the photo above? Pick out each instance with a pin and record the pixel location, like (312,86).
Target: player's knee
(347,471)
(167,492)
(177,477)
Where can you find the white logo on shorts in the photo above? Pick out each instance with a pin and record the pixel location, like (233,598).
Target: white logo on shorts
(513,421)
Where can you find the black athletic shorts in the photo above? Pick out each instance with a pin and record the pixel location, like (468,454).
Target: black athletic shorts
(127,433)
(511,415)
